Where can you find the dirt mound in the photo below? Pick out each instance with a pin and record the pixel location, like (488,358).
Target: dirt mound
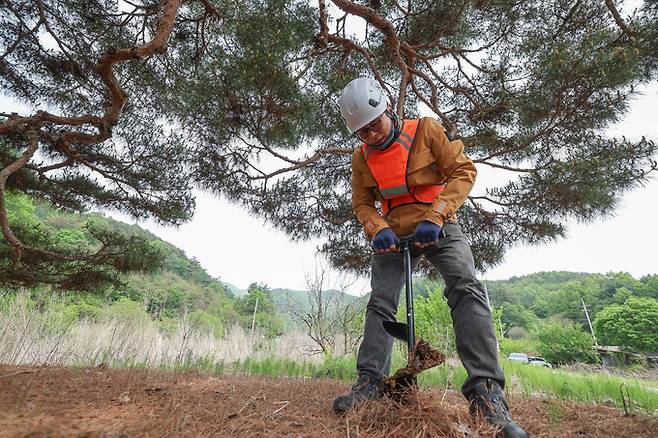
(94,402)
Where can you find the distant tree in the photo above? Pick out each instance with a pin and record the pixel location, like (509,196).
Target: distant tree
(632,325)
(257,309)
(566,303)
(327,316)
(139,102)
(517,333)
(649,287)
(613,281)
(621,295)
(424,286)
(433,321)
(351,319)
(503,295)
(515,315)
(562,343)
(320,319)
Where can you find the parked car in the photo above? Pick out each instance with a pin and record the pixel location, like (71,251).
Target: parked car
(536,360)
(518,357)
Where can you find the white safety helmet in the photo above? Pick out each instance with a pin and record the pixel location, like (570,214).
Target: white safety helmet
(361,102)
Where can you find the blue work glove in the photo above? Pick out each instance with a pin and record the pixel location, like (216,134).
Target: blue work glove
(426,233)
(385,240)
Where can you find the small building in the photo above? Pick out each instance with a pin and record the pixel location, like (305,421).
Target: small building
(613,355)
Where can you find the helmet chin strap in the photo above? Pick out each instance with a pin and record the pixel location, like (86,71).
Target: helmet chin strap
(392,134)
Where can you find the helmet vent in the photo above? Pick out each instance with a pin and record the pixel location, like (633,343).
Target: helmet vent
(373,103)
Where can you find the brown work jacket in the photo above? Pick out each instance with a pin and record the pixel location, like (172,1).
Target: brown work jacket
(433,159)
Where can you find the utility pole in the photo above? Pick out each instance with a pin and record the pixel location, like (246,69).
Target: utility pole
(500,324)
(588,320)
(253,320)
(486,294)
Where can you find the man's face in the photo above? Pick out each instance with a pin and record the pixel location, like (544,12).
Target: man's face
(376,131)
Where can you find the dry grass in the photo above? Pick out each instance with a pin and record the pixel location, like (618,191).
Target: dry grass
(30,337)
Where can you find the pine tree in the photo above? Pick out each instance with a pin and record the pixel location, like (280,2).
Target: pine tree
(140,102)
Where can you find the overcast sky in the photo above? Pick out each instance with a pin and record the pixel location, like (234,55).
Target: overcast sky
(240,249)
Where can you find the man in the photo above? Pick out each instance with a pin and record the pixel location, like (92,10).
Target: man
(419,178)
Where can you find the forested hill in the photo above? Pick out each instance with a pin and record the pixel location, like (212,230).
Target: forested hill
(179,288)
(558,295)
(289,303)
(174,287)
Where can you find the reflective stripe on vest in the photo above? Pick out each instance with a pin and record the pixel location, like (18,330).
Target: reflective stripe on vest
(389,168)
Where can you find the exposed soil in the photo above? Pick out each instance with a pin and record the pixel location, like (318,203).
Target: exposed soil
(53,401)
(423,357)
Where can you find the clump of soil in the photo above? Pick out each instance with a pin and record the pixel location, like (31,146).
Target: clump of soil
(421,358)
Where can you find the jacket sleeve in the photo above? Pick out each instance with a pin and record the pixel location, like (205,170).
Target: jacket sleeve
(363,199)
(455,166)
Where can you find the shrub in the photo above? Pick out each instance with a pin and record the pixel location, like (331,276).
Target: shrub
(167,326)
(564,343)
(517,333)
(88,312)
(206,323)
(632,325)
(125,308)
(58,317)
(525,345)
(433,321)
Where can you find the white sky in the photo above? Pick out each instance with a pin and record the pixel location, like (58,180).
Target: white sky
(240,249)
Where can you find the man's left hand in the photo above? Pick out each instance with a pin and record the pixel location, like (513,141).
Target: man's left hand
(426,234)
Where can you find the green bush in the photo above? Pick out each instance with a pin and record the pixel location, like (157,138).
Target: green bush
(517,333)
(207,323)
(167,326)
(58,317)
(73,239)
(6,301)
(632,325)
(564,343)
(433,321)
(525,345)
(127,309)
(88,312)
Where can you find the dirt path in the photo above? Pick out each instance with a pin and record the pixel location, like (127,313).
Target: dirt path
(115,403)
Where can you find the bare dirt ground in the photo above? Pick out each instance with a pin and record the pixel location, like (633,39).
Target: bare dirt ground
(53,401)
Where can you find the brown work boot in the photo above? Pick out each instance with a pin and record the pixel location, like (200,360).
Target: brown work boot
(488,400)
(365,388)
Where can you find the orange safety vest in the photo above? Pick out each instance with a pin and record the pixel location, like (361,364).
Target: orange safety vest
(389,168)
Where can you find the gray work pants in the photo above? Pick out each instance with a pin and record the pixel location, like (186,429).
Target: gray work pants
(471,317)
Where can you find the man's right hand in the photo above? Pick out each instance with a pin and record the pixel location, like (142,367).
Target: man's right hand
(385,241)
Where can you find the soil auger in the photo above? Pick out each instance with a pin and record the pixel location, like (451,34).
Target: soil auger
(420,356)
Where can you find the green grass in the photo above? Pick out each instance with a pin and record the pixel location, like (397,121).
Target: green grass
(205,364)
(522,378)
(582,387)
(342,368)
(526,379)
